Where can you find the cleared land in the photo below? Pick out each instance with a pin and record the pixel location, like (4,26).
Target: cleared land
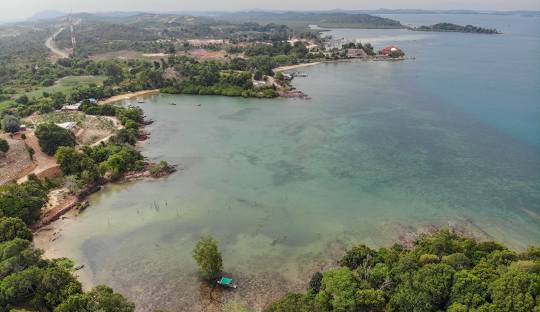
(67,83)
(16,162)
(128,96)
(64,85)
(90,129)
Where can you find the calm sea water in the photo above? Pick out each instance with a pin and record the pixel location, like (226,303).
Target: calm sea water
(381,150)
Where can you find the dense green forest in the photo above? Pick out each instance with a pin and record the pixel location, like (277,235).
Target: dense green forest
(449,27)
(443,272)
(20,44)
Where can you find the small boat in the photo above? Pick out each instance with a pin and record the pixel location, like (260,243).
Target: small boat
(139,100)
(227,282)
(172,103)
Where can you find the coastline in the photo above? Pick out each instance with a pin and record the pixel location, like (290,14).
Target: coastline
(342,60)
(128,96)
(78,201)
(290,67)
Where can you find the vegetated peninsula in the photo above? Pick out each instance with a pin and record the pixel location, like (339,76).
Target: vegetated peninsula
(449,27)
(321,19)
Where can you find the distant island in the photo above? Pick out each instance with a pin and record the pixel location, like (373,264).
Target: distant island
(302,20)
(449,27)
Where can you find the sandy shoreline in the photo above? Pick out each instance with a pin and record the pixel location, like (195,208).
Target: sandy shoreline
(289,67)
(347,60)
(128,96)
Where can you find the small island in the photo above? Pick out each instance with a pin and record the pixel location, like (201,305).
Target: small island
(449,27)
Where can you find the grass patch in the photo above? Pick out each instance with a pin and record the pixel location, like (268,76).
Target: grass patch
(67,83)
(60,117)
(5,104)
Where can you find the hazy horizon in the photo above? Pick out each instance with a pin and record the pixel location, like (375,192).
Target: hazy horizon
(26,8)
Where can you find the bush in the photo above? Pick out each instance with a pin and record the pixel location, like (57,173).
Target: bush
(208,257)
(468,290)
(457,260)
(357,256)
(370,299)
(4,146)
(427,259)
(51,137)
(125,136)
(11,228)
(11,124)
(31,152)
(23,201)
(157,170)
(315,283)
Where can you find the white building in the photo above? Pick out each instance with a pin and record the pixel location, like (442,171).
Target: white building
(70,125)
(73,107)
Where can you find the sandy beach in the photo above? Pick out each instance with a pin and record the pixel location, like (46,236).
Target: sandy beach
(127,96)
(289,67)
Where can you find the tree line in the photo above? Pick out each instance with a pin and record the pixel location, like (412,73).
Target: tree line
(442,272)
(28,282)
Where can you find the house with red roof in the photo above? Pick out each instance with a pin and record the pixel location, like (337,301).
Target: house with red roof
(390,49)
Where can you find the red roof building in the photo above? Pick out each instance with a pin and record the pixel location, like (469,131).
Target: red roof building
(389,49)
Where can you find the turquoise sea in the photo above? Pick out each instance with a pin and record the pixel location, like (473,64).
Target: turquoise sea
(380,152)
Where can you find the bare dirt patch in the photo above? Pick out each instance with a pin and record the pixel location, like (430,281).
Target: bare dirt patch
(90,129)
(46,165)
(128,96)
(128,55)
(16,162)
(207,54)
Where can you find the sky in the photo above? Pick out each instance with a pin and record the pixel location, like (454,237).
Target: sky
(18,9)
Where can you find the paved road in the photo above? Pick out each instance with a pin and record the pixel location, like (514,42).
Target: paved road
(52,46)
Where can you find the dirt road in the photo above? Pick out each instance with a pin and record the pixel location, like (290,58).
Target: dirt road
(51,45)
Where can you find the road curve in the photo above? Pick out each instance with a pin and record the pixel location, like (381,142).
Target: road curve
(52,46)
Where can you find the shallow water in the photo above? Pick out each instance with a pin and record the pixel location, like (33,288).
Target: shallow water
(381,150)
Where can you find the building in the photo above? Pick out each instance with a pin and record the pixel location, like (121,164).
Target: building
(70,125)
(73,107)
(356,53)
(390,49)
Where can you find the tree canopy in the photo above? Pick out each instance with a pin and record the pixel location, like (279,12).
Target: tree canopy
(22,201)
(11,123)
(443,272)
(29,282)
(208,258)
(51,137)
(4,146)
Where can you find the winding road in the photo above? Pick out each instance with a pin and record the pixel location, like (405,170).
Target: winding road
(50,44)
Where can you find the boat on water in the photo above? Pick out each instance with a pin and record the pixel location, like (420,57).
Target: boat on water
(139,100)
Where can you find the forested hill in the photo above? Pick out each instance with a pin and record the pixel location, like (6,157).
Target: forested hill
(449,27)
(322,19)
